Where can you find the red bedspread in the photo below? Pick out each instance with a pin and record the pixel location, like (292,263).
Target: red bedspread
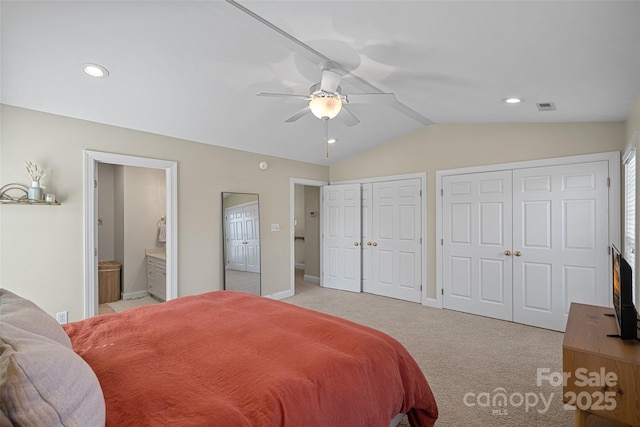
(231,359)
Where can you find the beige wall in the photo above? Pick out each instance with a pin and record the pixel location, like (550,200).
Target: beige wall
(41,247)
(449,146)
(633,121)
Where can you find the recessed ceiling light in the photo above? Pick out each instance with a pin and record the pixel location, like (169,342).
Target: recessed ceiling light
(513,100)
(331,141)
(95,70)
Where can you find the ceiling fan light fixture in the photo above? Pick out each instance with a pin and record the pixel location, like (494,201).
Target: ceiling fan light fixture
(325,106)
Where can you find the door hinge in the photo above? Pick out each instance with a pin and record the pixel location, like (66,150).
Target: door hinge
(95,251)
(441,242)
(420,288)
(95,183)
(608,250)
(442,192)
(420,193)
(442,291)
(608,182)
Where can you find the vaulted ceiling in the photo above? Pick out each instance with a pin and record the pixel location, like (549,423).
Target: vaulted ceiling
(191,69)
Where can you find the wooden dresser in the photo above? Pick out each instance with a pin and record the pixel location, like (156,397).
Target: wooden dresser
(604,372)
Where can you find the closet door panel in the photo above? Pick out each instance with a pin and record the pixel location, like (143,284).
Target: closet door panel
(396,247)
(477,227)
(561,232)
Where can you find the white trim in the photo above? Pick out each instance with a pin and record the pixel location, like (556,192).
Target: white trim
(422,176)
(292,250)
(612,157)
(311,279)
(91,160)
(281,295)
(631,149)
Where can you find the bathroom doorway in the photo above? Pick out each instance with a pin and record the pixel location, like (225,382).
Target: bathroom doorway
(163,228)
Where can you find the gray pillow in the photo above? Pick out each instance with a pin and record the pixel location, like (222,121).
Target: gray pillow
(42,381)
(25,315)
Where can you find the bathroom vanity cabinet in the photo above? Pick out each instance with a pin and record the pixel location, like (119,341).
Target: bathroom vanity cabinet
(157,276)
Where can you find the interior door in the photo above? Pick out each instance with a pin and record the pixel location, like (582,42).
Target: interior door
(342,237)
(251,219)
(477,227)
(560,241)
(396,247)
(235,240)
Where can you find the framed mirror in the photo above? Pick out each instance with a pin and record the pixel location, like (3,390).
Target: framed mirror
(241,234)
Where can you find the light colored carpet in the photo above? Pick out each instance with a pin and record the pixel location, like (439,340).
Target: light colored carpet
(121,305)
(242,281)
(462,355)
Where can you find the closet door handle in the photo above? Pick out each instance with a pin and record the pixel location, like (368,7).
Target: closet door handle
(368,243)
(375,243)
(517,253)
(356,243)
(507,252)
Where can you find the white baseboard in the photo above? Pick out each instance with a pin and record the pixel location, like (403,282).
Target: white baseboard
(281,295)
(134,295)
(311,279)
(299,265)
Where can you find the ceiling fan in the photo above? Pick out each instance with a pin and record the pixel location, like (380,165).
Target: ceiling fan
(326,100)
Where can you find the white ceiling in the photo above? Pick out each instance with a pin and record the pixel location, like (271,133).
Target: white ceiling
(191,69)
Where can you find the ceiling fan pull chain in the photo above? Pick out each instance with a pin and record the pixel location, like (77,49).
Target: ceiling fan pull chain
(326,134)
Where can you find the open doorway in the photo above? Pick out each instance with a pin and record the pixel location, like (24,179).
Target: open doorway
(169,223)
(306,242)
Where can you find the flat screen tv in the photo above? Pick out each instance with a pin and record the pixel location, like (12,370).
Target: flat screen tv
(622,291)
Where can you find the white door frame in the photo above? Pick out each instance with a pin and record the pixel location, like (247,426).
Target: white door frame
(613,157)
(91,160)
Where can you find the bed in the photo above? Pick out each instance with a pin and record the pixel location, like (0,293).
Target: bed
(218,359)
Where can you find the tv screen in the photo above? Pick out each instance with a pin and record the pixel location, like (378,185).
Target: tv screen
(622,296)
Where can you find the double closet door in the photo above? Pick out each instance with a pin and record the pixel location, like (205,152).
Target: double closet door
(242,224)
(522,244)
(372,238)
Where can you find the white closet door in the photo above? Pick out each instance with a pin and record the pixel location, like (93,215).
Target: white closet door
(236,253)
(477,262)
(251,218)
(367,230)
(396,248)
(560,241)
(342,228)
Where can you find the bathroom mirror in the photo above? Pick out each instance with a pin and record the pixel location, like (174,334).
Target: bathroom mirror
(241,249)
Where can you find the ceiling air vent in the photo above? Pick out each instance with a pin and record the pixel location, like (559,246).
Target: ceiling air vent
(546,106)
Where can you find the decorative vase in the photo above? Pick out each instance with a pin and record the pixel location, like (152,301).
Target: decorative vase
(35,192)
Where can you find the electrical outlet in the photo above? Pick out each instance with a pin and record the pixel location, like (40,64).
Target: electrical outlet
(61,317)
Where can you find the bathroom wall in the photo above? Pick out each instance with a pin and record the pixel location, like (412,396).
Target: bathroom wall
(312,233)
(106,213)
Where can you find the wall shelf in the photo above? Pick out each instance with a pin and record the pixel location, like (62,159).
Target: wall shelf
(27,202)
(19,196)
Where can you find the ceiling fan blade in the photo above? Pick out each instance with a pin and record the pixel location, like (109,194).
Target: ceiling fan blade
(299,114)
(330,81)
(370,98)
(284,95)
(347,117)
